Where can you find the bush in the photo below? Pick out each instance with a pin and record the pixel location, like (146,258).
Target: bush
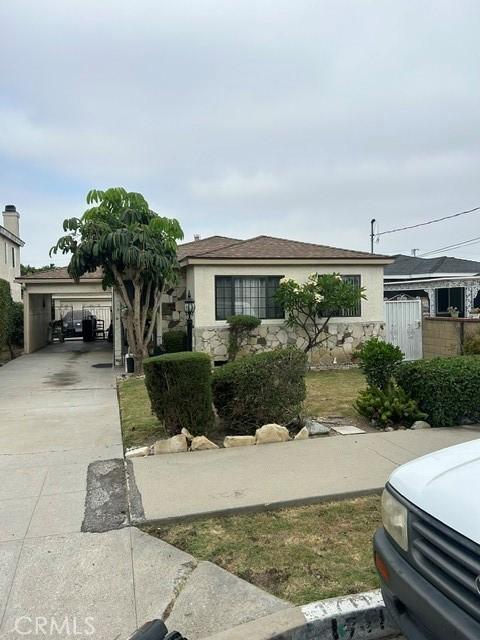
(388,406)
(16,325)
(266,387)
(240,327)
(445,388)
(471,346)
(379,361)
(5,313)
(179,387)
(175,341)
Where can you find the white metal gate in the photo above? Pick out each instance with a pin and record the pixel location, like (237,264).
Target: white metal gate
(403,326)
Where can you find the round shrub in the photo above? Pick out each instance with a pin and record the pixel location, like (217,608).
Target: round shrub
(388,406)
(445,388)
(379,361)
(175,341)
(179,387)
(255,390)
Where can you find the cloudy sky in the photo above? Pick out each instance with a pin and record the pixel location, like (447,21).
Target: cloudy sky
(302,118)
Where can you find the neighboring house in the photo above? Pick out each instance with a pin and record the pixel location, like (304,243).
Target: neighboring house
(439,282)
(10,245)
(229,276)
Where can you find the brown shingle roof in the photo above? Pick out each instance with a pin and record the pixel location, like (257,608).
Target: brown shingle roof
(267,247)
(60,273)
(199,247)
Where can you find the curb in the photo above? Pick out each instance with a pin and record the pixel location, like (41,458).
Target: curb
(361,616)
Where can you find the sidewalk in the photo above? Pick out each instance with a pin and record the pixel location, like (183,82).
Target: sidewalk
(58,414)
(210,482)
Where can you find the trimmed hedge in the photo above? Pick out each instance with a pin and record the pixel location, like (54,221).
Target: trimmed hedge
(447,389)
(266,387)
(5,312)
(175,341)
(179,387)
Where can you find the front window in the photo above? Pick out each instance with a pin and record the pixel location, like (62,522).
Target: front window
(13,256)
(247,295)
(450,298)
(356,312)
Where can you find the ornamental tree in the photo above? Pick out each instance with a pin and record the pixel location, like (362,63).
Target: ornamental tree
(136,250)
(310,305)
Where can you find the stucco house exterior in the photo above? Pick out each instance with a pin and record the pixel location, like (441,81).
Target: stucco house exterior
(10,245)
(228,276)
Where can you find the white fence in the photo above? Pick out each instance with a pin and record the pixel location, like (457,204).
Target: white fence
(403,326)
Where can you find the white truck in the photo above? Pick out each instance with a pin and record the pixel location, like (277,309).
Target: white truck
(428,551)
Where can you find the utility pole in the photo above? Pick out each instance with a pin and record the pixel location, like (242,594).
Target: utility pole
(372,234)
(414,252)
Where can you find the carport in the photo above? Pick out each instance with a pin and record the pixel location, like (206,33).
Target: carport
(47,292)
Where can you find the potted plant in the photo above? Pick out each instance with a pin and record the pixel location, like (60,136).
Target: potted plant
(453,311)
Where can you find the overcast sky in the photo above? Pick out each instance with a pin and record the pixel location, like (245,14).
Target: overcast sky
(300,119)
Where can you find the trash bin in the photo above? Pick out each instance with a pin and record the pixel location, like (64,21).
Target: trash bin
(88,329)
(155,630)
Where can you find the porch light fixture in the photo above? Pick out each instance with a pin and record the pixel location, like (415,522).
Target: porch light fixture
(189,311)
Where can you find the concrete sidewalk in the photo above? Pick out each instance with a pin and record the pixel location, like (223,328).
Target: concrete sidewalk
(209,482)
(58,414)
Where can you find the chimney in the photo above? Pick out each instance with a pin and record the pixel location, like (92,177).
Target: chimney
(11,219)
(196,237)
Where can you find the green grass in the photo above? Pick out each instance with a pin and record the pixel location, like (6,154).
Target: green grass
(331,393)
(300,554)
(139,425)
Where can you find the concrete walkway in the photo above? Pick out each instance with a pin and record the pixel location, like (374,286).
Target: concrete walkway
(208,482)
(58,414)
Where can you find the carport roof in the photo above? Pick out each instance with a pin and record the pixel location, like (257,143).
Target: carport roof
(59,273)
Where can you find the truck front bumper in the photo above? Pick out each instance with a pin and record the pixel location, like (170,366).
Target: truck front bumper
(420,610)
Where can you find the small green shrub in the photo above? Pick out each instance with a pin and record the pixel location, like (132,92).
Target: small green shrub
(5,312)
(388,406)
(379,361)
(240,327)
(445,388)
(255,390)
(175,341)
(471,346)
(179,387)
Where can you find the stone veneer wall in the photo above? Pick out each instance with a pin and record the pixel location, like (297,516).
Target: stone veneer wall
(173,309)
(343,339)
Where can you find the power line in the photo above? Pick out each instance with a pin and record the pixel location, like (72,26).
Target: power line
(452,246)
(424,224)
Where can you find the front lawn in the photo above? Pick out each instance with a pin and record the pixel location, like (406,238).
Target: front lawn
(329,393)
(332,392)
(300,554)
(139,426)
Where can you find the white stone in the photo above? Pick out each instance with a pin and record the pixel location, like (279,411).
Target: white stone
(271,433)
(238,441)
(175,444)
(347,430)
(421,424)
(138,452)
(200,443)
(302,434)
(282,336)
(389,429)
(316,428)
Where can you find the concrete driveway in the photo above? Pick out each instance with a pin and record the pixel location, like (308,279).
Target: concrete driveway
(58,414)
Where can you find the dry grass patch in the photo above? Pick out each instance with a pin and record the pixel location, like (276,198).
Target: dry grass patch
(299,554)
(332,392)
(139,425)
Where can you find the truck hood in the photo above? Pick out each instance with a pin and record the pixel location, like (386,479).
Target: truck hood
(445,484)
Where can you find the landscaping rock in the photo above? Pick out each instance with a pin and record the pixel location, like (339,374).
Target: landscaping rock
(271,433)
(238,441)
(389,429)
(175,444)
(302,434)
(421,424)
(316,428)
(187,434)
(201,443)
(138,452)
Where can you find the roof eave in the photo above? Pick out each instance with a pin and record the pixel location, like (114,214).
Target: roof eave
(202,260)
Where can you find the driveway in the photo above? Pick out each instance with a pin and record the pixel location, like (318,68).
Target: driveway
(58,421)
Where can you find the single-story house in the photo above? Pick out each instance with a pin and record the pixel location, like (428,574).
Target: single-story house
(228,276)
(10,245)
(439,282)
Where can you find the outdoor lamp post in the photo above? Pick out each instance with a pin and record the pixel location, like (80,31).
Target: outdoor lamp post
(189,311)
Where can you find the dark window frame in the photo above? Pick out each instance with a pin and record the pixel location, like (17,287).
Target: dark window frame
(273,310)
